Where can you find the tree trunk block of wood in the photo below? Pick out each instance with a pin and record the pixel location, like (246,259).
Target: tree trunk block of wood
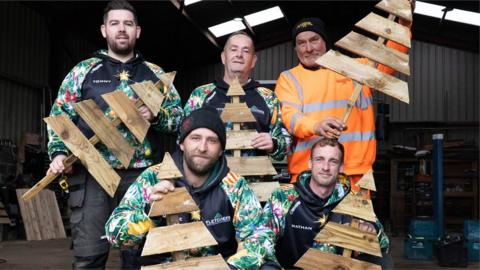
(350,238)
(125,109)
(315,259)
(105,130)
(177,237)
(86,152)
(365,74)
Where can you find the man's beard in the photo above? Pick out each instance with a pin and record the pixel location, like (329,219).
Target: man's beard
(197,169)
(119,49)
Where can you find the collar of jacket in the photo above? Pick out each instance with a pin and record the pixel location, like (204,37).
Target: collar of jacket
(251,85)
(103,54)
(316,203)
(220,171)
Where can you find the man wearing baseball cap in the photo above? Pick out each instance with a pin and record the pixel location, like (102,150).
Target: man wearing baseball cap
(314,99)
(228,207)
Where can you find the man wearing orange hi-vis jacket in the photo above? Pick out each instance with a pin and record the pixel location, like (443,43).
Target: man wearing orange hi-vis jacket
(314,99)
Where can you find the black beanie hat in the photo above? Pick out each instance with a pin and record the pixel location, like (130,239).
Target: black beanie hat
(310,24)
(203,118)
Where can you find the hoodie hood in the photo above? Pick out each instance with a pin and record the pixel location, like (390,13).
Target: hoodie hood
(103,54)
(314,202)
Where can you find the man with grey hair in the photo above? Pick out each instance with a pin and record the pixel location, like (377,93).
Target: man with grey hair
(239,59)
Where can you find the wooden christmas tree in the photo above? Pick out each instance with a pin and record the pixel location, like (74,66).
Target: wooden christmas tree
(358,204)
(239,139)
(175,237)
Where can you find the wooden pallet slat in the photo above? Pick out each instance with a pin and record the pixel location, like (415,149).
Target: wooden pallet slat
(3,215)
(237,112)
(350,238)
(128,113)
(198,263)
(385,28)
(251,166)
(167,170)
(367,181)
(41,216)
(177,237)
(364,46)
(176,202)
(105,130)
(240,139)
(400,8)
(313,259)
(235,89)
(85,151)
(166,81)
(263,190)
(365,74)
(150,95)
(354,204)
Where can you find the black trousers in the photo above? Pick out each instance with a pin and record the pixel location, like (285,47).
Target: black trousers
(90,208)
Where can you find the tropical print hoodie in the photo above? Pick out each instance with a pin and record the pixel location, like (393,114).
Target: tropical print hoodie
(296,214)
(228,208)
(102,74)
(263,104)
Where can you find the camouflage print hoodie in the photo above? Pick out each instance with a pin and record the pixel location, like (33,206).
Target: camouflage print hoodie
(293,213)
(102,74)
(263,104)
(228,208)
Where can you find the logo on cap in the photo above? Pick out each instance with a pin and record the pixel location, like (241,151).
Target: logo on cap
(304,25)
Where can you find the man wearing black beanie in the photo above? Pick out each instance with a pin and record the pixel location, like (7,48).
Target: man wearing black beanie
(228,207)
(314,99)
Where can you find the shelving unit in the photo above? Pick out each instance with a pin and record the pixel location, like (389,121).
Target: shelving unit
(411,192)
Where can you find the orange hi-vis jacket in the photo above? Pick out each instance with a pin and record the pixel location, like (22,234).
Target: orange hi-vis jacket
(309,96)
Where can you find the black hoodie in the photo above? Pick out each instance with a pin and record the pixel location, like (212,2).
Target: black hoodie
(103,78)
(216,210)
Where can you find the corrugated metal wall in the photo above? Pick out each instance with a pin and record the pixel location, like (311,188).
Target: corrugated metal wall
(443,85)
(24,54)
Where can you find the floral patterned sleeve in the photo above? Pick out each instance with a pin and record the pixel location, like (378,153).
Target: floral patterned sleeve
(277,129)
(254,240)
(129,223)
(197,97)
(69,93)
(171,112)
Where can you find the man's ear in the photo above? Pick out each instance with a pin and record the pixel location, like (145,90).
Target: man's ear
(310,164)
(139,29)
(104,32)
(182,147)
(222,56)
(254,61)
(341,168)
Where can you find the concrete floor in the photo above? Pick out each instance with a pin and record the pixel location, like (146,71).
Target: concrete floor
(55,254)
